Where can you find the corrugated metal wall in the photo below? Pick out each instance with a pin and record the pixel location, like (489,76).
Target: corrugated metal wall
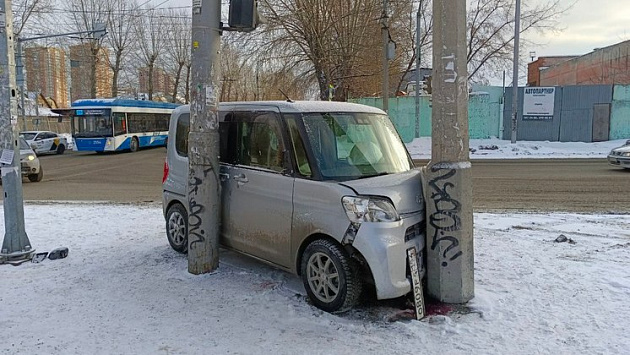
(620,113)
(576,118)
(572,119)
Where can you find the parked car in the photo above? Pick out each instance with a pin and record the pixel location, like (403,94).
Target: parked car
(45,142)
(325,190)
(620,156)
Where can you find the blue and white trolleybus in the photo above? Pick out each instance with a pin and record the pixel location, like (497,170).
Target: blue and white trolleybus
(104,125)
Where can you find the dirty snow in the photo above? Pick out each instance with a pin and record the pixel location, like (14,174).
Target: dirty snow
(420,148)
(123,290)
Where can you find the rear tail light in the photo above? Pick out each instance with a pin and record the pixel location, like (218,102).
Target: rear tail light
(165,175)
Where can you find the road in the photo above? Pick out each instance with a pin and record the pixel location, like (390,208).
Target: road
(573,185)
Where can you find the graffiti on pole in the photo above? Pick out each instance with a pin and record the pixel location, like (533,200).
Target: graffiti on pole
(446,218)
(196,234)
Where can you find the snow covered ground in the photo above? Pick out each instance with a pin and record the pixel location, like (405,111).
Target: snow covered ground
(123,290)
(494,148)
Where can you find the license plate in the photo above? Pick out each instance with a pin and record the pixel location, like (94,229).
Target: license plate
(416,282)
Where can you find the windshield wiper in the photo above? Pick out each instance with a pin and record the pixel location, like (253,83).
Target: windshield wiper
(371,176)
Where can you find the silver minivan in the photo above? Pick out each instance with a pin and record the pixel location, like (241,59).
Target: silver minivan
(325,190)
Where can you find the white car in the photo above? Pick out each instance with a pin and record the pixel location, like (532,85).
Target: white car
(45,141)
(620,156)
(29,163)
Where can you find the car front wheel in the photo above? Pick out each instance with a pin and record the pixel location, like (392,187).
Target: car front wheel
(177,228)
(330,276)
(134,146)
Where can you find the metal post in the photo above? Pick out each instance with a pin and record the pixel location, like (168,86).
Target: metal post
(15,247)
(19,66)
(418,70)
(385,36)
(450,258)
(517,32)
(203,152)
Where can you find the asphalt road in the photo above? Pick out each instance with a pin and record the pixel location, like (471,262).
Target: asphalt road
(574,185)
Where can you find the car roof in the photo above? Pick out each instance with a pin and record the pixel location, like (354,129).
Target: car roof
(36,132)
(294,106)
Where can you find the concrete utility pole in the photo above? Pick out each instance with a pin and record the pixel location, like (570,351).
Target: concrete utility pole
(203,140)
(16,247)
(385,36)
(418,17)
(449,184)
(517,34)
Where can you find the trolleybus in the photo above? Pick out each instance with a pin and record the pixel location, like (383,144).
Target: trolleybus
(104,125)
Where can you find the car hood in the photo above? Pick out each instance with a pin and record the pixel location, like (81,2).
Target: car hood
(622,149)
(25,153)
(403,189)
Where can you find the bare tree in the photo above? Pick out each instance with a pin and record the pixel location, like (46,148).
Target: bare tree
(34,14)
(121,14)
(178,45)
(84,15)
(150,31)
(491,31)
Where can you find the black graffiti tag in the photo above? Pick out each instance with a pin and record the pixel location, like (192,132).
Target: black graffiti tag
(446,218)
(195,233)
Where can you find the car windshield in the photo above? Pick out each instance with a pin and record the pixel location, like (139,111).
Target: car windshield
(24,145)
(29,135)
(349,146)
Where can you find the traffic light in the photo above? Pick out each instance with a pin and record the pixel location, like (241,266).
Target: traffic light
(243,15)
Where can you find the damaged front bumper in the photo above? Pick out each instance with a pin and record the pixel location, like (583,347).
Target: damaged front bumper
(384,246)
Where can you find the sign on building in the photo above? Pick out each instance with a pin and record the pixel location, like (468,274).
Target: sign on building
(538,103)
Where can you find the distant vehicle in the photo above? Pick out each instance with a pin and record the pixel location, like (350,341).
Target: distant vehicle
(326,190)
(107,125)
(44,142)
(620,156)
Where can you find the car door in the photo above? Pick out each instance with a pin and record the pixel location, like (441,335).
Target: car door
(41,142)
(257,194)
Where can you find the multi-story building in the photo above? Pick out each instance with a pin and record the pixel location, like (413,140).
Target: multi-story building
(81,59)
(609,65)
(162,81)
(46,73)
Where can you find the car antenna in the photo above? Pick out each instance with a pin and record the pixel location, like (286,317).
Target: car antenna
(285,95)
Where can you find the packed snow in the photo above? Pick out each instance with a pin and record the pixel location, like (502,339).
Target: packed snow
(123,290)
(493,148)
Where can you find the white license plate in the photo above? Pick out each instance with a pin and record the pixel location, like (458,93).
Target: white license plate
(416,282)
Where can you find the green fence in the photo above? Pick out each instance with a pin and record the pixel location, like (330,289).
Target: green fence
(484,112)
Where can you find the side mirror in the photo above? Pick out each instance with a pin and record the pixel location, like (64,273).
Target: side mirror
(628,142)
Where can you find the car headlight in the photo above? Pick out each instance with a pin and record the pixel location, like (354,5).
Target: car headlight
(626,154)
(369,209)
(31,157)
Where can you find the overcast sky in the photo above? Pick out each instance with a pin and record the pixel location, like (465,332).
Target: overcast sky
(588,25)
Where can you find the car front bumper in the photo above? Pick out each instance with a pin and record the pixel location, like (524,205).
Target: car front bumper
(29,167)
(384,246)
(618,160)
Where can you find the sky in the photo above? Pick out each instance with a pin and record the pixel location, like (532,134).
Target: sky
(585,26)
(123,290)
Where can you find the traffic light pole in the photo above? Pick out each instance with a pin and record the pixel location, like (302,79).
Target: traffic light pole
(203,140)
(15,247)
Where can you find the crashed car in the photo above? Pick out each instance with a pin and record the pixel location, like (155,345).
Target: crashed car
(45,142)
(620,156)
(29,163)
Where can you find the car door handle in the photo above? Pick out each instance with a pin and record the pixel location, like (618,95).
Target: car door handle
(224,176)
(241,178)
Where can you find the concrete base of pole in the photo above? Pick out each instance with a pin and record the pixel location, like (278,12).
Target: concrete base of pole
(450,257)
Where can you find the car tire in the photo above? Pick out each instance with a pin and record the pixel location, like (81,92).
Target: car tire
(330,276)
(36,177)
(177,228)
(134,146)
(60,149)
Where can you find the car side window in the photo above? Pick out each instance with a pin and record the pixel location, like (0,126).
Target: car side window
(181,135)
(259,140)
